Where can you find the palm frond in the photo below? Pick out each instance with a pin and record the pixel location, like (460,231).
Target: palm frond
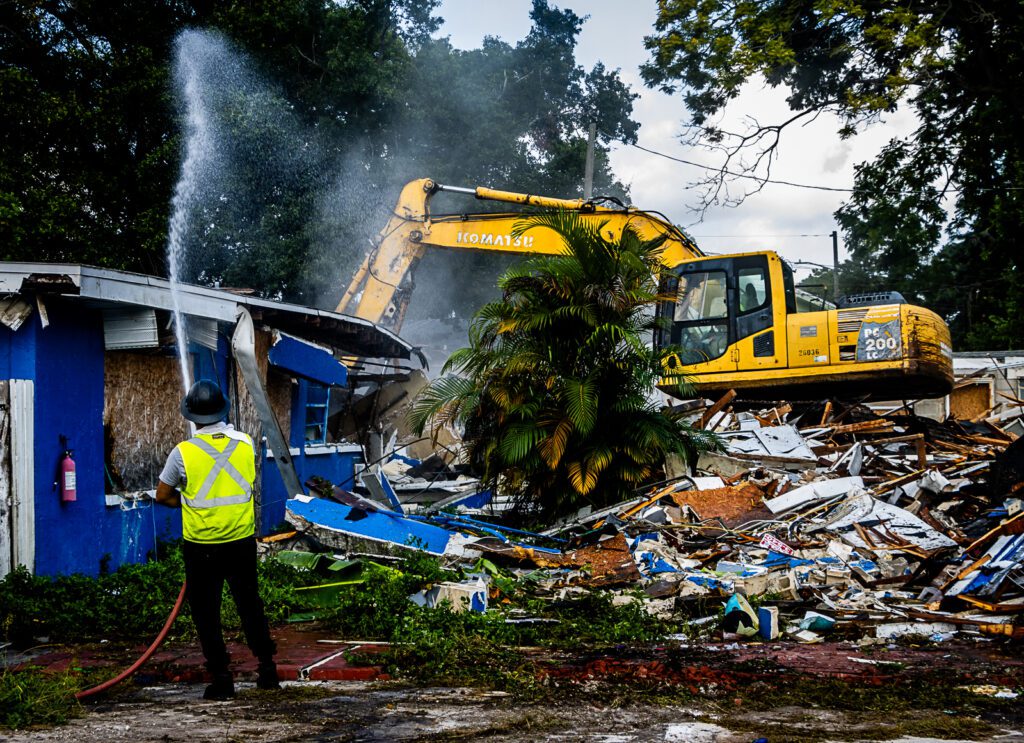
(580,396)
(443,397)
(552,447)
(582,480)
(518,440)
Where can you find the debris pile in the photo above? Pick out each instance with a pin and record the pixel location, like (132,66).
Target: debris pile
(825,522)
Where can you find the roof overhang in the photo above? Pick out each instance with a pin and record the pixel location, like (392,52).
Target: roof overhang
(342,333)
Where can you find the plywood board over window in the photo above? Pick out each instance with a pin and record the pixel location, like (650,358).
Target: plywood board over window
(141,417)
(970,399)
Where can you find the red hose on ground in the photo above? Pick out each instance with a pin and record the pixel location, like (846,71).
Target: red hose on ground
(144,657)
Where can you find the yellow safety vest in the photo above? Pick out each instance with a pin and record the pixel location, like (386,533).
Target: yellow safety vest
(216,502)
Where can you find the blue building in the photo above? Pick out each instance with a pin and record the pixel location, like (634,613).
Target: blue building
(88,365)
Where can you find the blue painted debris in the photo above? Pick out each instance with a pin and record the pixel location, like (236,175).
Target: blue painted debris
(809,534)
(651,564)
(380,526)
(1003,558)
(307,360)
(472,501)
(492,529)
(768,622)
(467,595)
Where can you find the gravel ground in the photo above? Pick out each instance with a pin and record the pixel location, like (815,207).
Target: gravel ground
(354,711)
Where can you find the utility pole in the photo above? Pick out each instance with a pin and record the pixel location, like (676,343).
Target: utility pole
(835,266)
(588,173)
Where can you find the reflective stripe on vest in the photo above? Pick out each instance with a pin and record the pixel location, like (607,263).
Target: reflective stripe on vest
(217,497)
(221,463)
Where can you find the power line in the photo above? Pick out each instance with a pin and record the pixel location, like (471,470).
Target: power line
(793,184)
(759,179)
(702,237)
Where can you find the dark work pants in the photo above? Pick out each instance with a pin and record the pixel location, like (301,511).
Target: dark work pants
(207,567)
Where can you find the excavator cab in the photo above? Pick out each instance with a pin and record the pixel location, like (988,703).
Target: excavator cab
(721,302)
(736,324)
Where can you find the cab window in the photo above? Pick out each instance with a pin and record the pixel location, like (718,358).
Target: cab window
(753,287)
(701,327)
(789,287)
(702,297)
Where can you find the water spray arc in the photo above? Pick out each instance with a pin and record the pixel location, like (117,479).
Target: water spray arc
(198,150)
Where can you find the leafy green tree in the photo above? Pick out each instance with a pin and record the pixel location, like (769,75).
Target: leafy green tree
(554,388)
(324,110)
(512,116)
(936,215)
(86,165)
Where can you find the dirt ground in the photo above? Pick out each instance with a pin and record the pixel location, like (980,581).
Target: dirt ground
(360,711)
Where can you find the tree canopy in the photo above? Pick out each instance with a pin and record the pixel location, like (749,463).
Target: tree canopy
(554,388)
(333,107)
(936,214)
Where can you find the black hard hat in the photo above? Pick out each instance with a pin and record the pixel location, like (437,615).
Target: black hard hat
(205,403)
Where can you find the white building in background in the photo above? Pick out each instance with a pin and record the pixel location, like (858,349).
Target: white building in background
(989,385)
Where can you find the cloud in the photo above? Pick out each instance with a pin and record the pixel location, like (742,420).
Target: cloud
(777,217)
(834,162)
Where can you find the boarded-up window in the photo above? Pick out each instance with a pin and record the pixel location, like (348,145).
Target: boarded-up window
(141,416)
(970,400)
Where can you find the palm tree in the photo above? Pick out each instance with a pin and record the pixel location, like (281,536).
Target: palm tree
(554,389)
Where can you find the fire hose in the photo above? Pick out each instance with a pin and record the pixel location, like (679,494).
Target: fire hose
(144,657)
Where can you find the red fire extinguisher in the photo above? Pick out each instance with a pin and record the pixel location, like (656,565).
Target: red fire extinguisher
(68,484)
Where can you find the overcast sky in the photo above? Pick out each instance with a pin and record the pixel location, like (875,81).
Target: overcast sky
(774,219)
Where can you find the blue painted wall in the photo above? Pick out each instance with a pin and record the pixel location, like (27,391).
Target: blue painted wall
(69,402)
(18,350)
(210,364)
(338,467)
(65,361)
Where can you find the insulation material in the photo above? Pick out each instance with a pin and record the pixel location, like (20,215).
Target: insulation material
(141,413)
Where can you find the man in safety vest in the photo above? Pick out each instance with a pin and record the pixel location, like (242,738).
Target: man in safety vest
(210,477)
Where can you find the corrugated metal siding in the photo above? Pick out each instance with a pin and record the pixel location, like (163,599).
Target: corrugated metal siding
(132,328)
(203,332)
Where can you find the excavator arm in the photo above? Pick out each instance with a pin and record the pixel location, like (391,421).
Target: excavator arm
(380,289)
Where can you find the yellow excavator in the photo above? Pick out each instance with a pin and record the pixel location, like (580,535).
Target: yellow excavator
(737,317)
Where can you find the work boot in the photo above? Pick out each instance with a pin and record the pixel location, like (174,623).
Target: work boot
(266,675)
(223,687)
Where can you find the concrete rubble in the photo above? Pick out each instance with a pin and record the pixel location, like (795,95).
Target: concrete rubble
(815,523)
